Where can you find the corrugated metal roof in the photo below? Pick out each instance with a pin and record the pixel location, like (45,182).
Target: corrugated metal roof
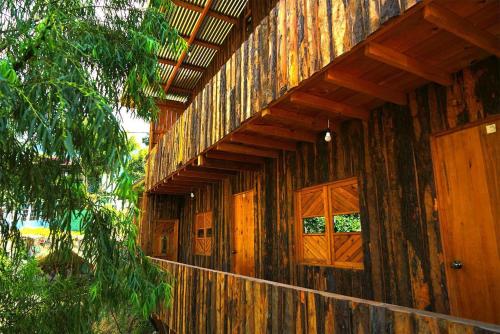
(213,30)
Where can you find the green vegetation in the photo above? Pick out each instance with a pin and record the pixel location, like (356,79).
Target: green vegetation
(314,225)
(67,68)
(347,223)
(342,223)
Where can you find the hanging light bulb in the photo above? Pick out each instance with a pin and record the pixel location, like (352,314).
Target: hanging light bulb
(192,194)
(328,134)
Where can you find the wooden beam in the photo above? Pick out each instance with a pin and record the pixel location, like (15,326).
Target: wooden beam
(248,150)
(204,44)
(329,107)
(399,60)
(351,82)
(176,179)
(234,157)
(262,142)
(192,37)
(294,118)
(226,165)
(170,192)
(178,106)
(281,132)
(183,65)
(212,13)
(203,175)
(193,179)
(174,188)
(206,170)
(188,184)
(181,90)
(455,24)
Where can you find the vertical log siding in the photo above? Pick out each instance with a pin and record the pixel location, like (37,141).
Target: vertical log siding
(391,156)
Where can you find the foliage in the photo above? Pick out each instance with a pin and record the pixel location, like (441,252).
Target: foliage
(138,160)
(29,298)
(66,68)
(347,223)
(342,223)
(314,225)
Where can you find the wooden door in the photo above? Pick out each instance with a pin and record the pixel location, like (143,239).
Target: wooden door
(165,241)
(467,171)
(243,234)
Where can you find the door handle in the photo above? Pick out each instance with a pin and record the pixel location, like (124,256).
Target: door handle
(456,265)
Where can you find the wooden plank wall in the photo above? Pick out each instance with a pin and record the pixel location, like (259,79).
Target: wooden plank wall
(391,155)
(296,40)
(207,301)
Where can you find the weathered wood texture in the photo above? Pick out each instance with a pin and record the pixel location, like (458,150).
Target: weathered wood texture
(207,301)
(296,40)
(391,156)
(258,10)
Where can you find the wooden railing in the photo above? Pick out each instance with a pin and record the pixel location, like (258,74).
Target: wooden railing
(209,301)
(286,48)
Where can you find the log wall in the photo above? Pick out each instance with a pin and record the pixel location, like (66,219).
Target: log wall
(207,301)
(296,40)
(391,155)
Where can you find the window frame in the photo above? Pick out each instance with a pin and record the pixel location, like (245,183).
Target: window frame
(326,189)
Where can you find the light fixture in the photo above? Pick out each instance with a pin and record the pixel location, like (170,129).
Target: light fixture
(192,194)
(328,134)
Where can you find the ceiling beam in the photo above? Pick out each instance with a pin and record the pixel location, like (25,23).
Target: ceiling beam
(294,118)
(206,170)
(193,179)
(263,142)
(282,132)
(356,84)
(184,184)
(329,107)
(234,157)
(174,188)
(202,175)
(399,60)
(212,13)
(181,179)
(248,150)
(181,90)
(455,24)
(170,192)
(178,106)
(192,37)
(184,65)
(203,43)
(226,165)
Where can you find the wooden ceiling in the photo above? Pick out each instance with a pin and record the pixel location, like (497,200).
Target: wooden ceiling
(429,43)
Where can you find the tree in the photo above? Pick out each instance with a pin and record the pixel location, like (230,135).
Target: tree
(66,68)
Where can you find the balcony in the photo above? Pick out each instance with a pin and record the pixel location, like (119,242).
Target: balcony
(291,78)
(210,301)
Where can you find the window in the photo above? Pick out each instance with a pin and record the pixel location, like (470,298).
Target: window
(203,234)
(329,225)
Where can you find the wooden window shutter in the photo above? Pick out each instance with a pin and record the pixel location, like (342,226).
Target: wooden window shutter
(203,234)
(347,245)
(314,243)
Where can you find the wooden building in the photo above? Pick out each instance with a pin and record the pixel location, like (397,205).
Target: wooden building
(329,166)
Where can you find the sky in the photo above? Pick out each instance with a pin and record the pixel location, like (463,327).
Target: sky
(134,126)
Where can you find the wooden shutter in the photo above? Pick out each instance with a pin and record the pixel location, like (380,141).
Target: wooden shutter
(347,246)
(313,248)
(203,227)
